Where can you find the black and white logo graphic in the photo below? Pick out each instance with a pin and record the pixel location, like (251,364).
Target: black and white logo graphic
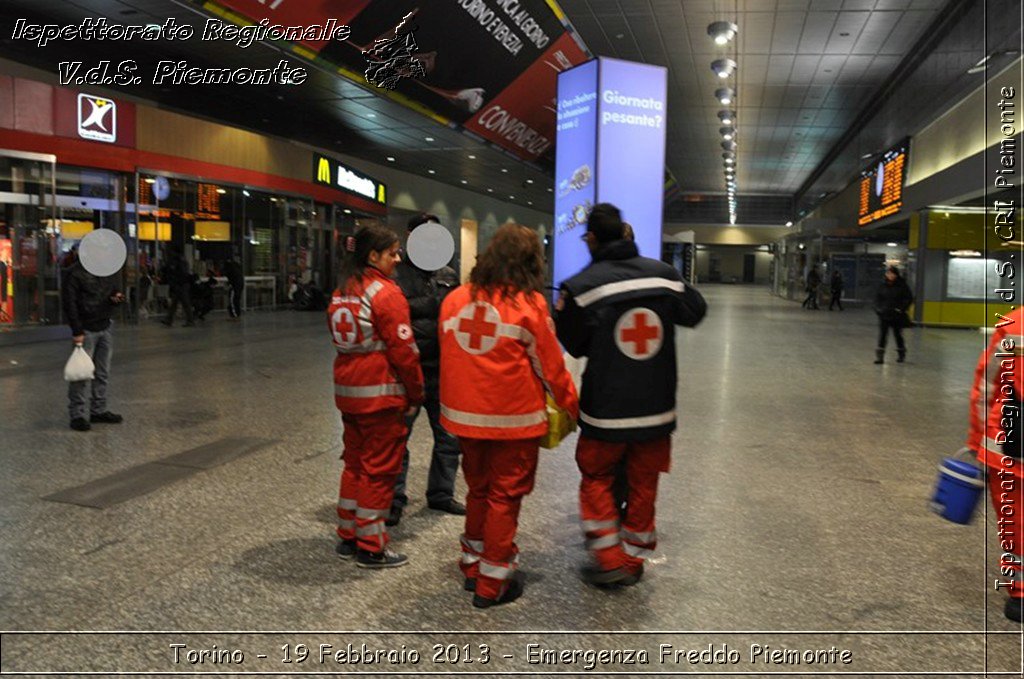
(97,118)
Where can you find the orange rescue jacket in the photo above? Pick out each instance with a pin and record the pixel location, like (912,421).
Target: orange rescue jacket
(378,365)
(498,358)
(998,377)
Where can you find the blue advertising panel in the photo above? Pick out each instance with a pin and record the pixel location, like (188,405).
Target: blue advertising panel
(610,148)
(576,153)
(633,117)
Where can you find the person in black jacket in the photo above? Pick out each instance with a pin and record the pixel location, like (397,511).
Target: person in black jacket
(179,287)
(891,303)
(89,302)
(621,312)
(425,290)
(236,280)
(813,281)
(836,285)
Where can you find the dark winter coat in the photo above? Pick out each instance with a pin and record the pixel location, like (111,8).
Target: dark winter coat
(87,299)
(425,290)
(621,312)
(893,299)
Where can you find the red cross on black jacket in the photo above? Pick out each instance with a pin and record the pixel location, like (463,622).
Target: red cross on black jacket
(621,312)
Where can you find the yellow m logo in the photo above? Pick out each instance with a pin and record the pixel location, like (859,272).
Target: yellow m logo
(380,194)
(323,171)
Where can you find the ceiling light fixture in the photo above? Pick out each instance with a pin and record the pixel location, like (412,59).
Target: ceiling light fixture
(723,67)
(391,159)
(727,132)
(729,145)
(472,157)
(788,224)
(727,117)
(428,139)
(722,31)
(431,172)
(726,95)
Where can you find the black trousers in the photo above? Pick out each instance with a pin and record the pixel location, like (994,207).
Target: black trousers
(235,301)
(444,459)
(884,324)
(183,296)
(837,298)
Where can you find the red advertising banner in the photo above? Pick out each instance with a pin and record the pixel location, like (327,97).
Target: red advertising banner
(310,14)
(522,117)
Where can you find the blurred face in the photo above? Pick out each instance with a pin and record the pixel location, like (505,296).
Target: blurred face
(385,261)
(890,276)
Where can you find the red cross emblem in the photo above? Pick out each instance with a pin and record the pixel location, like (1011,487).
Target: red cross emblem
(638,333)
(345,331)
(476,327)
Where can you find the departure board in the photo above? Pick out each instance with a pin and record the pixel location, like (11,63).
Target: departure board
(881,185)
(208,200)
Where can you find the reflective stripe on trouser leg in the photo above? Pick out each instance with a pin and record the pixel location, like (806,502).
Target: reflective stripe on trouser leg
(599,462)
(371,533)
(492,574)
(471,551)
(346,518)
(645,463)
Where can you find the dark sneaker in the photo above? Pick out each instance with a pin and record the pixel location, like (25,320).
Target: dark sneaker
(107,418)
(345,549)
(382,559)
(451,507)
(512,592)
(1013,609)
(394,516)
(80,424)
(618,577)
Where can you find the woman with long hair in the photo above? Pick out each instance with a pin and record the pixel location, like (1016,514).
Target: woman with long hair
(377,380)
(500,357)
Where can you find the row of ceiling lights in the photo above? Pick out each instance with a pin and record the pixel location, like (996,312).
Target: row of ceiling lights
(722,32)
(464,182)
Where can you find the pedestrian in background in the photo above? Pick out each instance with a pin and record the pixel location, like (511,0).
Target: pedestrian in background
(425,290)
(176,275)
(892,300)
(89,302)
(236,283)
(813,281)
(377,384)
(500,358)
(621,312)
(836,286)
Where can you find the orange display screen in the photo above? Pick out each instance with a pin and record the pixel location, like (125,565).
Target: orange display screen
(881,186)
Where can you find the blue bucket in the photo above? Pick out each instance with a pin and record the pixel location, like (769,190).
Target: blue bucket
(958,490)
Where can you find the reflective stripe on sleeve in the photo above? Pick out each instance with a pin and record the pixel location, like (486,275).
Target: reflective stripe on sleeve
(494,421)
(369,391)
(635,285)
(367,347)
(590,526)
(629,422)
(603,542)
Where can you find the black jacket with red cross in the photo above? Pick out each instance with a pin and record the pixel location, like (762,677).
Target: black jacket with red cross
(621,312)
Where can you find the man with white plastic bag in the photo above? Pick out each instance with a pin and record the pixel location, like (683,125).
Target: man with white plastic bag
(89,302)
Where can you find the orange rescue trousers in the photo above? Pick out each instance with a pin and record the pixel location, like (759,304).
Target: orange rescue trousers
(374,446)
(1008,500)
(499,474)
(645,460)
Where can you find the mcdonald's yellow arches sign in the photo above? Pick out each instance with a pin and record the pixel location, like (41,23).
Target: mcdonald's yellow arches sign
(337,175)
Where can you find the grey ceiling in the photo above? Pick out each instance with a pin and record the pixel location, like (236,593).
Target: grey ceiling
(820,83)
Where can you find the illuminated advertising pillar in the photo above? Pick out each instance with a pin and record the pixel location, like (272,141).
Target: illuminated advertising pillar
(610,148)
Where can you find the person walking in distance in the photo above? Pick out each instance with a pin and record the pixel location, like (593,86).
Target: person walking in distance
(89,302)
(425,291)
(892,300)
(813,281)
(377,385)
(500,358)
(236,284)
(621,312)
(179,287)
(836,287)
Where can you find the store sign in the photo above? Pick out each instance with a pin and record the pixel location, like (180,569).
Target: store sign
(610,149)
(881,185)
(332,173)
(97,118)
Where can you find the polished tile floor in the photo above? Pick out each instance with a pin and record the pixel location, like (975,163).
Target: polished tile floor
(795,516)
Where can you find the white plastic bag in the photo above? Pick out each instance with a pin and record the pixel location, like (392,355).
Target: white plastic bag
(79,366)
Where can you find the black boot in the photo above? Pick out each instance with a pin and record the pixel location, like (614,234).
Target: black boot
(902,354)
(879,356)
(1013,609)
